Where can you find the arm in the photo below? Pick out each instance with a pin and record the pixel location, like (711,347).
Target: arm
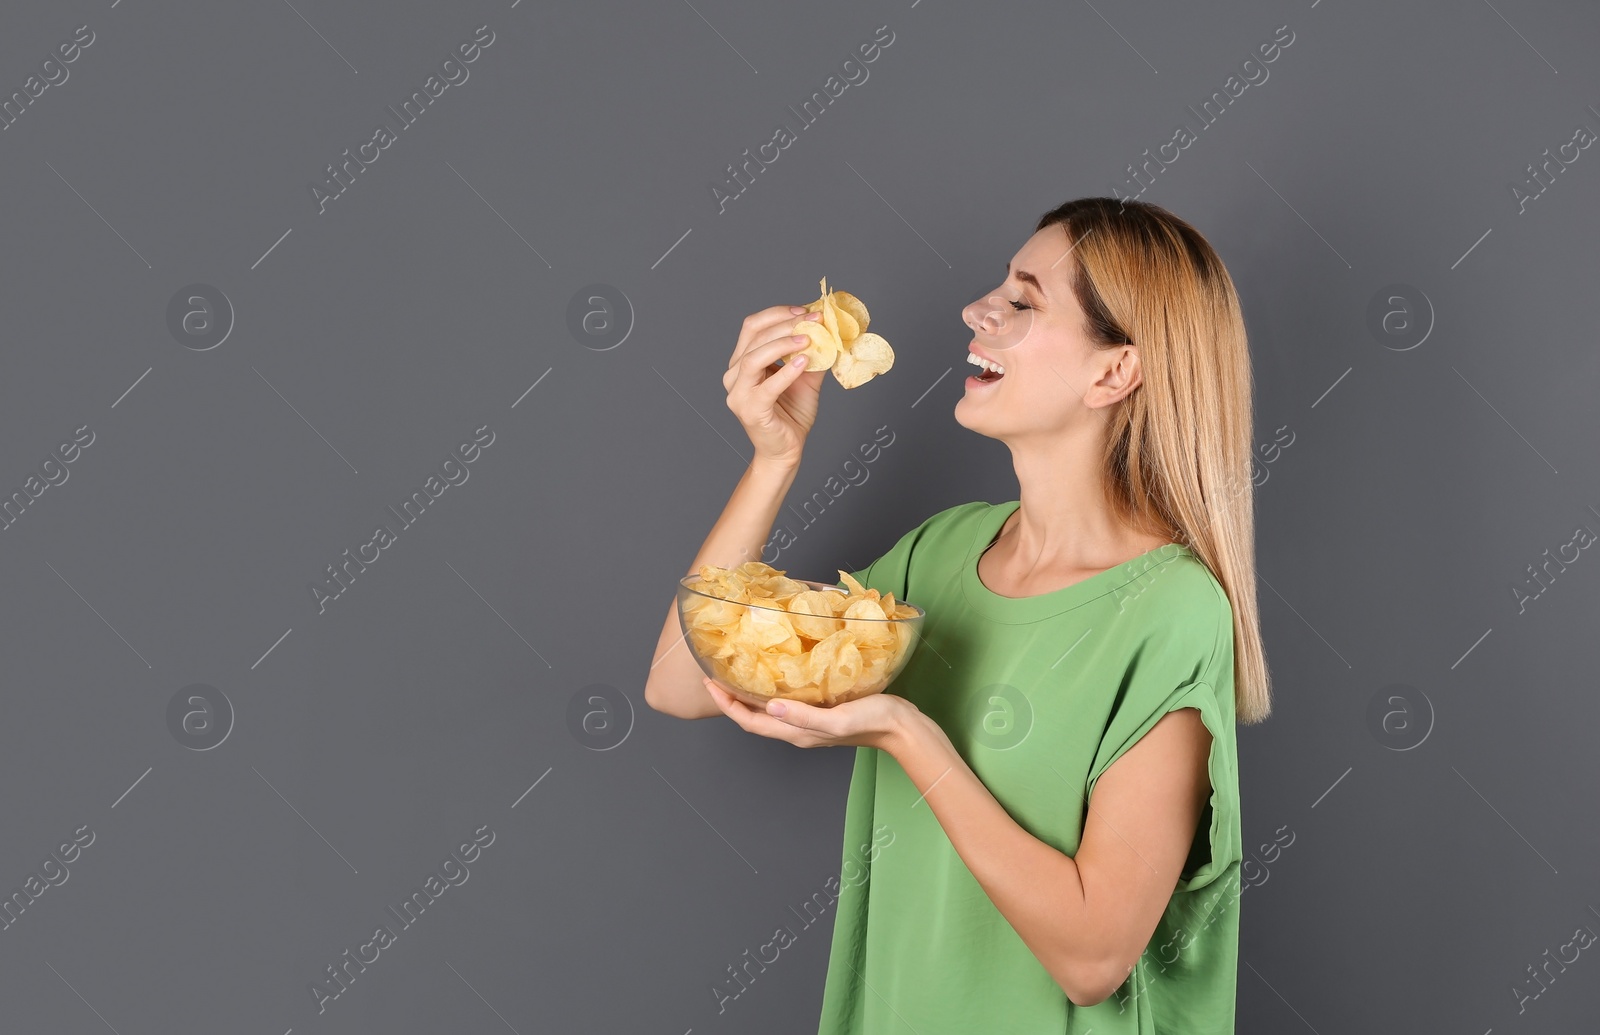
(1086,917)
(675,684)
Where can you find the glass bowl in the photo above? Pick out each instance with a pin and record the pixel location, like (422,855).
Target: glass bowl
(816,659)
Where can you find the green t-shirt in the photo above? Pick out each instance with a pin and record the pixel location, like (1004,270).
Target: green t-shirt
(1040,695)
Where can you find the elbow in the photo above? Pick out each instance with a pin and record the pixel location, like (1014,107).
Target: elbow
(653,699)
(686,700)
(665,705)
(1089,995)
(1091,990)
(1092,982)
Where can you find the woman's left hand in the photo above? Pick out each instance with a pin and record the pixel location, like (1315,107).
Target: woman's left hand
(871,721)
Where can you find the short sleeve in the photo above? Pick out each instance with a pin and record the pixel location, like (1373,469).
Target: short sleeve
(1221,844)
(1174,673)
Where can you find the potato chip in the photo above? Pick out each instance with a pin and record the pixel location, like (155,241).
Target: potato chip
(843,673)
(849,329)
(824,350)
(856,588)
(876,631)
(903,634)
(849,303)
(715,613)
(825,655)
(842,324)
(706,642)
(747,671)
(866,358)
(794,671)
(844,319)
(814,613)
(766,629)
(830,315)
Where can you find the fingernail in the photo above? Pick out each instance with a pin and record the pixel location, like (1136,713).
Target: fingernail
(800,361)
(777,708)
(797,309)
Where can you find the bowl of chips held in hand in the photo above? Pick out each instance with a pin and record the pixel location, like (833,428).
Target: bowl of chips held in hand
(764,635)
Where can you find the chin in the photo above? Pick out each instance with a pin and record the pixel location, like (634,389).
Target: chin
(968,423)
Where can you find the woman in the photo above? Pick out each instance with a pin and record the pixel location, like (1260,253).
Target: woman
(1042,832)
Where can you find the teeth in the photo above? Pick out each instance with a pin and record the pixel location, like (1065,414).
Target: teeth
(978,361)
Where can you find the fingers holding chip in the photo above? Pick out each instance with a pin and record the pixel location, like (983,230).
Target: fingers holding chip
(824,348)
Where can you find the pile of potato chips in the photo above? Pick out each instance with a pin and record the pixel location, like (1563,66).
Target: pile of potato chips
(774,636)
(840,342)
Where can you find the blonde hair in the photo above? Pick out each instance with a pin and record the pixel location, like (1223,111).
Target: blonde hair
(1178,453)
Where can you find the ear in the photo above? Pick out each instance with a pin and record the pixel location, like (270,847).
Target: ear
(1121,373)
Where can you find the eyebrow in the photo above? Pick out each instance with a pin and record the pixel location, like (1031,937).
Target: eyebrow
(1027,278)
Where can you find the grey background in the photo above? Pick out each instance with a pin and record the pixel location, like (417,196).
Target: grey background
(433,697)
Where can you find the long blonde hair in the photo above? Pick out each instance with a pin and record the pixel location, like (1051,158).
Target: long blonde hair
(1178,453)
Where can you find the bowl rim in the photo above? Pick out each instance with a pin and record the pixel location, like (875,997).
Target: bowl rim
(683,585)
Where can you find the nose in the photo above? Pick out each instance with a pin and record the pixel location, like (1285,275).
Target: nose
(984,316)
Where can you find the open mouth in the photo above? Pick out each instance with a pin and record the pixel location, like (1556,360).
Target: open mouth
(988,373)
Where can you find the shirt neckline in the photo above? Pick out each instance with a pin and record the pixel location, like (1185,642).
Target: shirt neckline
(1017,610)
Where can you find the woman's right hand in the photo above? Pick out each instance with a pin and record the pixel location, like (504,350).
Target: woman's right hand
(776,404)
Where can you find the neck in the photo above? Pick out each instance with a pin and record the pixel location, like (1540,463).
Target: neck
(1067,520)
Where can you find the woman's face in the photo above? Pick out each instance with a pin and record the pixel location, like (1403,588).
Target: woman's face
(1033,326)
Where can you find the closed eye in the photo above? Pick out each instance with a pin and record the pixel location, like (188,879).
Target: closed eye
(1020,305)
